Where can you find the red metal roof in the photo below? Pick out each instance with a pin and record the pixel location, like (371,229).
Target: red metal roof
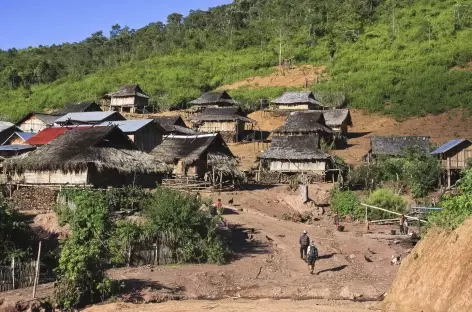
(49,134)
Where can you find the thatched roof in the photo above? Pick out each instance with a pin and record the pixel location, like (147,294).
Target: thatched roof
(89,106)
(222,114)
(174,125)
(189,148)
(304,122)
(129,90)
(395,145)
(337,117)
(214,98)
(73,151)
(295,98)
(295,148)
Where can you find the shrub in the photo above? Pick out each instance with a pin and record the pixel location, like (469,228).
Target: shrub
(346,203)
(386,199)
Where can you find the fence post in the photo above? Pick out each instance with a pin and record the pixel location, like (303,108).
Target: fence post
(13,271)
(36,276)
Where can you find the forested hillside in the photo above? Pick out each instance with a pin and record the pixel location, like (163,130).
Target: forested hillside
(402,57)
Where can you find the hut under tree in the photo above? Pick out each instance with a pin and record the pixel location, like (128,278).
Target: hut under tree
(230,122)
(212,99)
(339,120)
(80,107)
(454,156)
(297,101)
(198,156)
(35,122)
(296,155)
(96,156)
(174,125)
(145,133)
(305,123)
(88,118)
(396,145)
(128,99)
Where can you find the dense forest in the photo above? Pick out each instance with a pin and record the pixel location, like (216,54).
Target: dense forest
(400,57)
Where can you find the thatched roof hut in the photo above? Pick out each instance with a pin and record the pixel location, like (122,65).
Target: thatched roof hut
(97,155)
(213,99)
(129,98)
(304,100)
(87,106)
(222,114)
(192,154)
(396,145)
(338,120)
(128,91)
(174,125)
(305,123)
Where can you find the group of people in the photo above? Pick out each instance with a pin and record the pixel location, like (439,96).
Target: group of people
(308,252)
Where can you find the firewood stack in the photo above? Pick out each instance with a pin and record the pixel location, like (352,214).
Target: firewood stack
(34,198)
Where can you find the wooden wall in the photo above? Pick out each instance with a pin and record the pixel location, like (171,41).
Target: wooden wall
(294,107)
(456,158)
(52,177)
(16,140)
(298,166)
(147,138)
(32,123)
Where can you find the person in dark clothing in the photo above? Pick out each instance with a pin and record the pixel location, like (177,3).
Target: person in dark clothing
(312,255)
(304,243)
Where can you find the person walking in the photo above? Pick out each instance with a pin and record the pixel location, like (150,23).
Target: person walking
(304,243)
(312,255)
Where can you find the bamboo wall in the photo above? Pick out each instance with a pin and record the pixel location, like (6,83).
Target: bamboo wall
(300,166)
(294,107)
(23,275)
(33,123)
(457,159)
(52,177)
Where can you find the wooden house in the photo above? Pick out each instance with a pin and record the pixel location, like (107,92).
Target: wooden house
(95,156)
(230,122)
(454,156)
(338,120)
(305,123)
(88,118)
(129,99)
(396,145)
(296,154)
(194,155)
(80,107)
(35,122)
(297,101)
(174,125)
(212,99)
(145,133)
(18,138)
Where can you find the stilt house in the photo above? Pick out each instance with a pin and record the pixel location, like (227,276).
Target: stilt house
(296,154)
(194,155)
(129,99)
(305,123)
(230,122)
(396,145)
(212,99)
(339,120)
(454,156)
(96,156)
(297,101)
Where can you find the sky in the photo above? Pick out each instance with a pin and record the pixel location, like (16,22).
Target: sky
(25,23)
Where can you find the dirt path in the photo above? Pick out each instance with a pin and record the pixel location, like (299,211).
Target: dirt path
(240,305)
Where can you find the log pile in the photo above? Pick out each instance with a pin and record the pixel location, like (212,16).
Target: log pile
(34,198)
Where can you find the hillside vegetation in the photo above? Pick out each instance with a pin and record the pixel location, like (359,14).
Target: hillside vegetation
(399,57)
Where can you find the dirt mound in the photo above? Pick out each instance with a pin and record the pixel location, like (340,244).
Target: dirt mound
(295,77)
(48,223)
(436,275)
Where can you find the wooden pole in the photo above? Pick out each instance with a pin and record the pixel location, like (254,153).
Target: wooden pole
(13,271)
(36,276)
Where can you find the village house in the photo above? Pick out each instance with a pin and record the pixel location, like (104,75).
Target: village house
(145,133)
(230,122)
(338,120)
(194,155)
(88,118)
(35,122)
(6,130)
(95,156)
(80,107)
(454,156)
(396,145)
(305,123)
(296,154)
(174,125)
(18,138)
(212,99)
(297,101)
(128,99)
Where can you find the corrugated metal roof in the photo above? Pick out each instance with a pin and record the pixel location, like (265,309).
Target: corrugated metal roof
(85,116)
(25,135)
(5,125)
(49,134)
(128,125)
(447,146)
(16,147)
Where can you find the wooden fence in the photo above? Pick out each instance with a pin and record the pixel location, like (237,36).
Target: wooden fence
(17,276)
